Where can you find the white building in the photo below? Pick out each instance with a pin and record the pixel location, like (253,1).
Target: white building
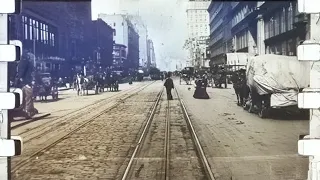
(151,55)
(143,34)
(120,25)
(198,30)
(198,18)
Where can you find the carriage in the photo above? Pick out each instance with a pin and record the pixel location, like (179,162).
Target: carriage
(44,86)
(92,84)
(219,76)
(186,75)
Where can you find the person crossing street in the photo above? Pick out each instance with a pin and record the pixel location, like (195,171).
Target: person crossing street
(168,84)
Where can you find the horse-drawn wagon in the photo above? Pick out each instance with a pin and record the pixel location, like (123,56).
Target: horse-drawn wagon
(186,74)
(219,76)
(274,82)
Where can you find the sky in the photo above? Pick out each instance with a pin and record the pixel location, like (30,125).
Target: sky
(166,22)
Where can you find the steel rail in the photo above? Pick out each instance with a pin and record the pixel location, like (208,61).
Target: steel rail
(142,136)
(196,141)
(167,142)
(76,113)
(48,146)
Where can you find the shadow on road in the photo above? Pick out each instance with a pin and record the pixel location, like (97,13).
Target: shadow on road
(36,118)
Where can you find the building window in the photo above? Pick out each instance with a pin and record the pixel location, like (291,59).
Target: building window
(114,32)
(34,30)
(25,27)
(277,24)
(53,44)
(242,40)
(30,29)
(283,21)
(290,17)
(47,34)
(114,24)
(37,30)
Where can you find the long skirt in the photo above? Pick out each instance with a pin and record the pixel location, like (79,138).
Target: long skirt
(201,93)
(27,103)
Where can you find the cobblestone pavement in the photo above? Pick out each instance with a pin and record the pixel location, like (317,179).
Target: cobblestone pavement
(184,163)
(45,131)
(99,149)
(65,104)
(240,145)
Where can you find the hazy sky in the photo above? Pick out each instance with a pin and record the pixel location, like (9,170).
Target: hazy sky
(167,26)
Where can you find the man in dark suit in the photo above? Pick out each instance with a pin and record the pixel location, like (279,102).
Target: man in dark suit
(169,86)
(25,69)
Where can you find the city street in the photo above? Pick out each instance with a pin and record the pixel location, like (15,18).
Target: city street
(99,147)
(238,145)
(242,146)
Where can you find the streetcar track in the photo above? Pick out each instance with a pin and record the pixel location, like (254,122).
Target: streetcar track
(166,159)
(24,161)
(196,141)
(77,112)
(51,125)
(142,136)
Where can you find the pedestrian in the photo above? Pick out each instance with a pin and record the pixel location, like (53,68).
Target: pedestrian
(201,86)
(168,84)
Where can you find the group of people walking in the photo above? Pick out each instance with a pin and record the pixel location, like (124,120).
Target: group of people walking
(200,89)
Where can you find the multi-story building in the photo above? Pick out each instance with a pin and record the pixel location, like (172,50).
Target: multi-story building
(133,48)
(56,33)
(255,28)
(282,28)
(198,18)
(125,34)
(198,27)
(102,43)
(119,57)
(220,31)
(143,36)
(151,55)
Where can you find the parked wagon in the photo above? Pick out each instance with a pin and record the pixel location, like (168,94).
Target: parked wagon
(274,82)
(186,74)
(91,84)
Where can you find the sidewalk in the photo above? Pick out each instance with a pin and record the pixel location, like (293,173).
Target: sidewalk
(69,101)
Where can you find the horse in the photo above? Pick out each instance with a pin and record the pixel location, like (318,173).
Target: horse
(81,84)
(44,92)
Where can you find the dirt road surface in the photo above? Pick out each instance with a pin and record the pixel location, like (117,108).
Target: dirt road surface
(241,146)
(98,150)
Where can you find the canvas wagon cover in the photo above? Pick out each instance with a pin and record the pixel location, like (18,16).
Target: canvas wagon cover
(277,74)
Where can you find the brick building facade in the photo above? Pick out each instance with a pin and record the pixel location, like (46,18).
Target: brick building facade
(102,43)
(57,33)
(133,48)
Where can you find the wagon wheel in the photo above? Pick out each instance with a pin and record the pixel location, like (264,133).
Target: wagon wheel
(249,106)
(263,113)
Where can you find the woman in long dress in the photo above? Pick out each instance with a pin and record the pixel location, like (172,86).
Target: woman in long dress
(201,89)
